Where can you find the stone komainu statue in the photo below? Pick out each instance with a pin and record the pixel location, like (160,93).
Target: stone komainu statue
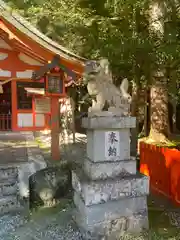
(100,85)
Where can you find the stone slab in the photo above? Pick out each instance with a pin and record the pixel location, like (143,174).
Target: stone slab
(111,210)
(9,204)
(23,159)
(8,172)
(115,229)
(108,122)
(35,163)
(8,188)
(100,191)
(112,112)
(103,170)
(100,148)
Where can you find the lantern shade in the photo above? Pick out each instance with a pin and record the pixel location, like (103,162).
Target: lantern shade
(55,85)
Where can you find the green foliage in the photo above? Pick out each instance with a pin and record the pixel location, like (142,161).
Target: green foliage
(116,29)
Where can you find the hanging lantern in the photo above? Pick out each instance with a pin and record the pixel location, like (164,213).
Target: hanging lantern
(55,85)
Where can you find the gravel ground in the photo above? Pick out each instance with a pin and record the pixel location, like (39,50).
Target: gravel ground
(46,224)
(9,224)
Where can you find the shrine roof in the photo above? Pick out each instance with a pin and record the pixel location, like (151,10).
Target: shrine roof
(24,28)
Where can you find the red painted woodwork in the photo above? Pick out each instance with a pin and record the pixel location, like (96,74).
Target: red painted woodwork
(5,122)
(17,65)
(14,105)
(24,41)
(162,165)
(15,112)
(13,64)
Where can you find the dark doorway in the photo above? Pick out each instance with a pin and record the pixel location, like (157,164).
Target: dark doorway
(5,108)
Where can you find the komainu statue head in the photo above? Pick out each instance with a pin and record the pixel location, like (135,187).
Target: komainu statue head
(96,68)
(99,82)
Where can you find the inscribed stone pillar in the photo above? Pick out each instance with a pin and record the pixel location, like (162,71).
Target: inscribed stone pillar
(109,194)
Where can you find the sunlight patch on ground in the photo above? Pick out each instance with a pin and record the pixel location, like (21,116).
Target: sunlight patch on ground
(148,140)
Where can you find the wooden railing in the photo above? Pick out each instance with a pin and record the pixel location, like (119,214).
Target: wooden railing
(5,122)
(162,165)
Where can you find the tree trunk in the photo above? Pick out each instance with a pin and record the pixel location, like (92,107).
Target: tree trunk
(159,129)
(145,128)
(134,113)
(173,90)
(146,113)
(135,98)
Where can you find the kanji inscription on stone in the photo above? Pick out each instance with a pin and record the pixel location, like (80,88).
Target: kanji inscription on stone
(111,144)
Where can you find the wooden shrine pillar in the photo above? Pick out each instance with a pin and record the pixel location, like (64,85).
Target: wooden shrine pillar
(53,74)
(55,128)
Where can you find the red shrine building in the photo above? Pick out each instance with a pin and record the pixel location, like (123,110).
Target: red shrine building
(34,72)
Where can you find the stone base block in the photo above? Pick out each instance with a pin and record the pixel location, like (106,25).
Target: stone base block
(108,122)
(113,229)
(98,145)
(100,191)
(111,210)
(103,170)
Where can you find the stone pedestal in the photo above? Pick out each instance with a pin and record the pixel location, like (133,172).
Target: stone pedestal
(109,195)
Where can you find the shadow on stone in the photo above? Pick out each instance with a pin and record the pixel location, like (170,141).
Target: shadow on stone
(49,185)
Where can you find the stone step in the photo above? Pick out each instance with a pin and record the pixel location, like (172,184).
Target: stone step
(9,204)
(101,191)
(111,210)
(112,229)
(8,172)
(8,187)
